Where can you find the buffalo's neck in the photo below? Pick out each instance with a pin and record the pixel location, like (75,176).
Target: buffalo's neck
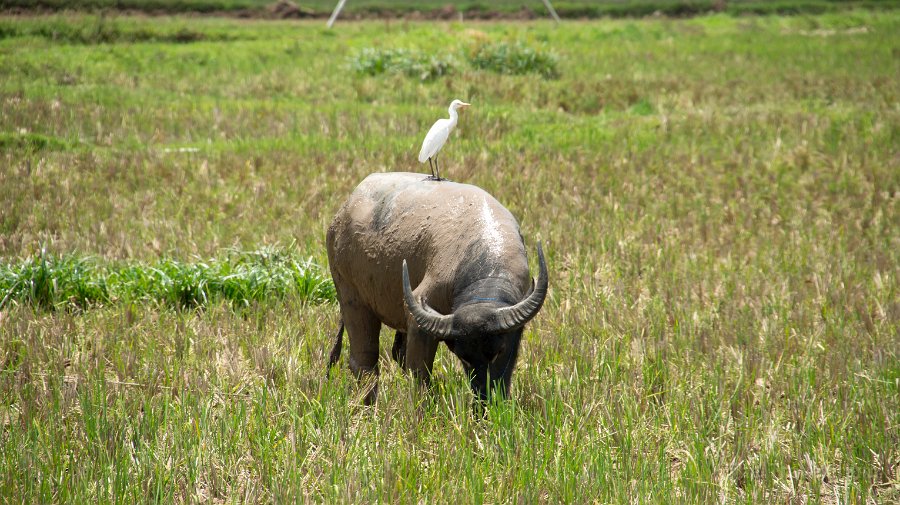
(499,290)
(492,270)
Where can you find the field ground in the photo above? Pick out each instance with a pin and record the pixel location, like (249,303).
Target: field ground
(718,198)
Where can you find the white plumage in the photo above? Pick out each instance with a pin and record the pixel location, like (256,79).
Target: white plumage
(435,139)
(437,136)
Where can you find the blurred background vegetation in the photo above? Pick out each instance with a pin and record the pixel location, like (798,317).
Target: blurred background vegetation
(451,9)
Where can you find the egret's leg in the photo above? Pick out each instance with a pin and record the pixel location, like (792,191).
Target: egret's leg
(437,169)
(430,164)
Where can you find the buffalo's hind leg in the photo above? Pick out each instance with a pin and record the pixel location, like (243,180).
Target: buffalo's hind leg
(336,349)
(363,327)
(398,352)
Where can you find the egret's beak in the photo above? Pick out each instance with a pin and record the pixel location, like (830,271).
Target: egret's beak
(463,105)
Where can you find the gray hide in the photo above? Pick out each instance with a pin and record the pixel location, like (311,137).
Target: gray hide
(467,268)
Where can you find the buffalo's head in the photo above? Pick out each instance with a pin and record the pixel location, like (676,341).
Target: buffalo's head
(484,335)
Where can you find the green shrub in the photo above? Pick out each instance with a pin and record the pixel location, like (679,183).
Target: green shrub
(514,58)
(371,61)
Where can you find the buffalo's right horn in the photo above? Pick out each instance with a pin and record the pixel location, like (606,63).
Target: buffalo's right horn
(436,325)
(510,318)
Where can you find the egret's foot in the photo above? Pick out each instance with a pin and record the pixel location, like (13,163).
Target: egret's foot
(435,178)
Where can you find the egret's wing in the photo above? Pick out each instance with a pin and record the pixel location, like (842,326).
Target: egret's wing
(434,140)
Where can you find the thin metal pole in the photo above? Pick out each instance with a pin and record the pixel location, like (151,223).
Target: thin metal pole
(552,10)
(340,5)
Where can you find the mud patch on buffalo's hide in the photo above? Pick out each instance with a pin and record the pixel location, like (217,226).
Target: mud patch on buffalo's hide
(383,202)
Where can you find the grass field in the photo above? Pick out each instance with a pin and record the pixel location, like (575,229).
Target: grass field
(718,198)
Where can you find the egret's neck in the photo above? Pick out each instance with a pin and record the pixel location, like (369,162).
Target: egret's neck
(454,116)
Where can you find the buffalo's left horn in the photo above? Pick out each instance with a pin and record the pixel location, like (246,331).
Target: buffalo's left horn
(510,318)
(436,325)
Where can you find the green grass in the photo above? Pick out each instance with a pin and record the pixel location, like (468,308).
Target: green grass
(717,198)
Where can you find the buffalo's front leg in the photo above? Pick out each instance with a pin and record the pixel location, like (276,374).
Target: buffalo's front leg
(420,351)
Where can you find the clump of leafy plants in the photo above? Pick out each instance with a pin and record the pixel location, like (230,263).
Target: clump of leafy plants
(514,59)
(31,142)
(49,281)
(69,281)
(414,64)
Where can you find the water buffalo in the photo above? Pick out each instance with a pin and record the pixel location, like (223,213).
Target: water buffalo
(463,253)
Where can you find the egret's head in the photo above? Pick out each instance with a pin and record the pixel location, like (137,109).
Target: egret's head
(458,105)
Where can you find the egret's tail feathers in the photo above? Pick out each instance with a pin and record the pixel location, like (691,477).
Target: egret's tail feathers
(423,156)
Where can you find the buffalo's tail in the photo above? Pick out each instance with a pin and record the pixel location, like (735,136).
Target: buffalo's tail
(336,349)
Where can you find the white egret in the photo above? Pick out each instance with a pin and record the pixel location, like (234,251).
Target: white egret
(437,136)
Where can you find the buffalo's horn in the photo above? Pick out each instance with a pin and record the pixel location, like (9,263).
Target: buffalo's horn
(510,318)
(436,325)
